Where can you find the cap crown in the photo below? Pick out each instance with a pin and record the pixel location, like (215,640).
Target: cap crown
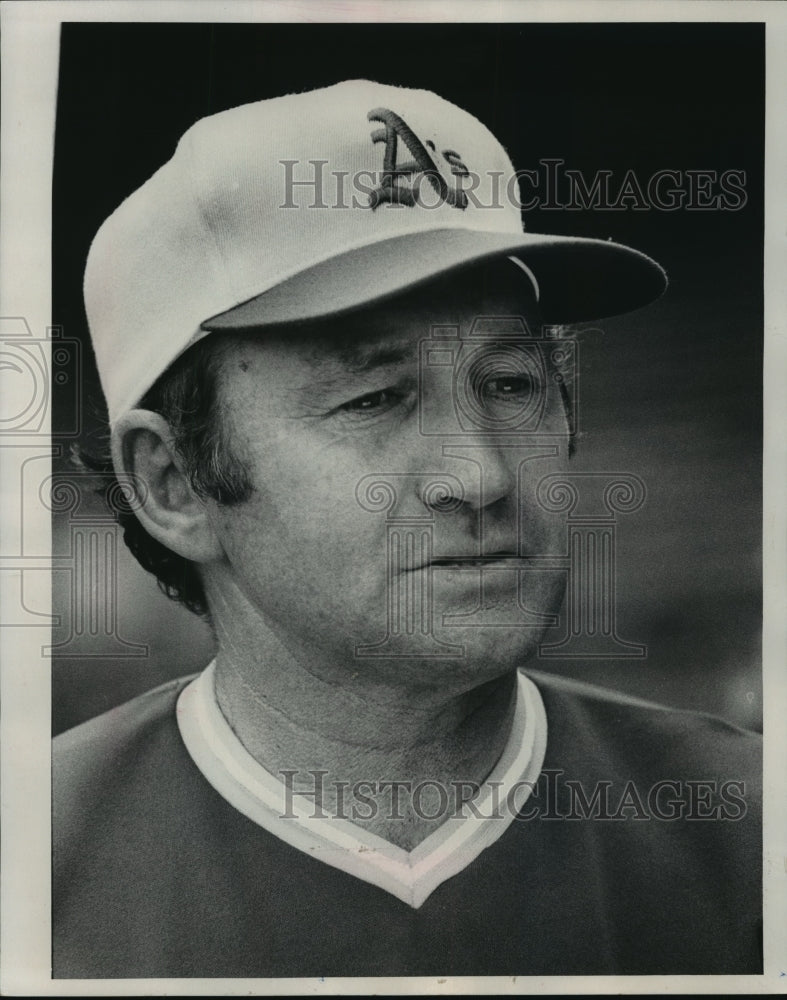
(229,217)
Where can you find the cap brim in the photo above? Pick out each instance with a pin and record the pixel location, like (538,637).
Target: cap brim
(578,278)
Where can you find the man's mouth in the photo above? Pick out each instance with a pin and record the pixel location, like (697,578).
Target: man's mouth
(503,559)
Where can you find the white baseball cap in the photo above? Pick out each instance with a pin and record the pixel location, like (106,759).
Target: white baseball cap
(311,204)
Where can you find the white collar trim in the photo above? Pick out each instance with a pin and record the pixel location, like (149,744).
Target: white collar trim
(411,876)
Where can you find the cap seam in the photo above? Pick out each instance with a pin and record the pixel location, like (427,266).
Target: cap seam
(218,264)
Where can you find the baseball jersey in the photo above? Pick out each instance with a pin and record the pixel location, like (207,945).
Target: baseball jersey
(633,847)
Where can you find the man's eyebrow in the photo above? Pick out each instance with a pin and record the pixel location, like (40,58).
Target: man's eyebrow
(360,358)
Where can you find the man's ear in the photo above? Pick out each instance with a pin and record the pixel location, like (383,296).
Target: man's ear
(165,503)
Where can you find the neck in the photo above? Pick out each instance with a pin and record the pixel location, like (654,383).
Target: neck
(295,711)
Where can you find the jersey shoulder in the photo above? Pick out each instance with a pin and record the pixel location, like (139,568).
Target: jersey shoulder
(646,730)
(110,744)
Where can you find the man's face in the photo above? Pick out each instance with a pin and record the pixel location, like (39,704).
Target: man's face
(394,531)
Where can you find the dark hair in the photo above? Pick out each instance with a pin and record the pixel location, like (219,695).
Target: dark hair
(187,397)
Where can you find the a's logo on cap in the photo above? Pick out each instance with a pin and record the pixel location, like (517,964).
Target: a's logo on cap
(401,182)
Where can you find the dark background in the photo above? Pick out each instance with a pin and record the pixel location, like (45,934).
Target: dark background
(671,393)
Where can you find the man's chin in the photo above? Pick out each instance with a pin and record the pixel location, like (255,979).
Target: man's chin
(450,657)
(492,650)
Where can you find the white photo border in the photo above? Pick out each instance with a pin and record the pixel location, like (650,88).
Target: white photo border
(30,42)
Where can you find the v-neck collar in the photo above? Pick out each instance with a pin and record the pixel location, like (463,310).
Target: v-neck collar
(411,876)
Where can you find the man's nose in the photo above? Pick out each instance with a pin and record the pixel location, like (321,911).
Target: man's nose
(485,467)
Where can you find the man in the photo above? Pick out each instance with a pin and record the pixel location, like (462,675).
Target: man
(321,334)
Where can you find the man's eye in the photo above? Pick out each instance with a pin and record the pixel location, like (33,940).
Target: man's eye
(372,402)
(514,387)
